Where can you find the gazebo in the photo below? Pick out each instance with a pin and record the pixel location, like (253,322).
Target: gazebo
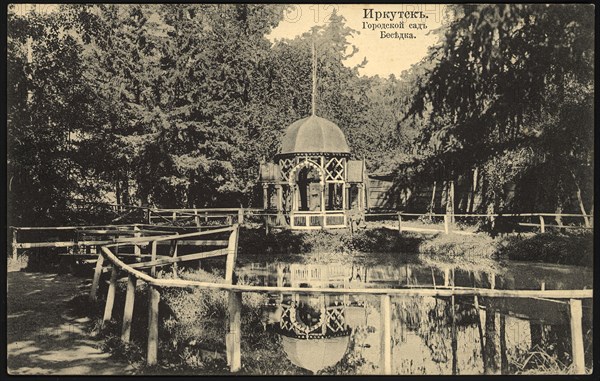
(313,183)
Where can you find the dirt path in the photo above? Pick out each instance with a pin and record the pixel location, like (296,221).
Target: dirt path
(43,335)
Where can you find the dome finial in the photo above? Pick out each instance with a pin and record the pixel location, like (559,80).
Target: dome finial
(314,75)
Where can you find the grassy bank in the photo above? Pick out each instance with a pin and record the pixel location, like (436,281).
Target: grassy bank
(383,245)
(373,246)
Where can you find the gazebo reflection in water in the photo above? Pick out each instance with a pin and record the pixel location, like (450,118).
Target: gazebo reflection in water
(315,329)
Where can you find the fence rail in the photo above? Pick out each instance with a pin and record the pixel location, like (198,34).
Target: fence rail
(235,293)
(449,218)
(161,221)
(114,238)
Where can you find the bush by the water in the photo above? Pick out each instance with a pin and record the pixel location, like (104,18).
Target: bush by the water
(323,245)
(566,249)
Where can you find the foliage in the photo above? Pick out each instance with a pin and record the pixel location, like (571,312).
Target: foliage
(561,248)
(176,105)
(477,246)
(173,106)
(537,360)
(521,111)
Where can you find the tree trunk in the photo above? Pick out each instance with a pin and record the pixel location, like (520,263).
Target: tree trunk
(558,211)
(450,200)
(118,190)
(482,191)
(471,201)
(580,200)
(432,203)
(125,191)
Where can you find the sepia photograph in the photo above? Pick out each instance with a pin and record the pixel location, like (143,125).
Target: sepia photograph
(204,189)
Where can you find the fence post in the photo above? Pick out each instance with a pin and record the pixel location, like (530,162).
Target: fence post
(542,225)
(503,357)
(447,223)
(480,328)
(399,222)
(14,243)
(578,353)
(240,216)
(386,335)
(232,249)
(491,365)
(453,334)
(233,338)
(153,258)
(97,275)
(173,253)
(196,218)
(154,299)
(128,310)
(110,297)
(136,247)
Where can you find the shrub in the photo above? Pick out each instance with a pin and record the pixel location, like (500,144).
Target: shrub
(567,249)
(479,245)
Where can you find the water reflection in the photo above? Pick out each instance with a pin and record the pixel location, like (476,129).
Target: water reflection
(429,335)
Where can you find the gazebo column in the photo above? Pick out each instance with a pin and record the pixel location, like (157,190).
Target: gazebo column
(279,198)
(294,190)
(345,187)
(346,197)
(265,196)
(280,218)
(361,197)
(323,187)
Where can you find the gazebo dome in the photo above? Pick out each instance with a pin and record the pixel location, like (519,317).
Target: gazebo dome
(315,354)
(314,135)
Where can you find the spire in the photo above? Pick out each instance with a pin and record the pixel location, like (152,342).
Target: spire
(314,76)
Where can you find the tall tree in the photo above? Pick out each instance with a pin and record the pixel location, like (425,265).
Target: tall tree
(522,107)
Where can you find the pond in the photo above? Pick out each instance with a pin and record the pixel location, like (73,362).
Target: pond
(333,334)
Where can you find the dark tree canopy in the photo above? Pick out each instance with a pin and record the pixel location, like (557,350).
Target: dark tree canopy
(176,105)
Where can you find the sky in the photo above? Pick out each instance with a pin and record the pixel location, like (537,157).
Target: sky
(385,56)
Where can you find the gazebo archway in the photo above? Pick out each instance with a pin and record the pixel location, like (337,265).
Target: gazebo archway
(307,182)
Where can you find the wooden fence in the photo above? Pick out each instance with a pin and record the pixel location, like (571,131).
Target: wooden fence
(161,221)
(448,220)
(197,217)
(80,240)
(119,242)
(233,350)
